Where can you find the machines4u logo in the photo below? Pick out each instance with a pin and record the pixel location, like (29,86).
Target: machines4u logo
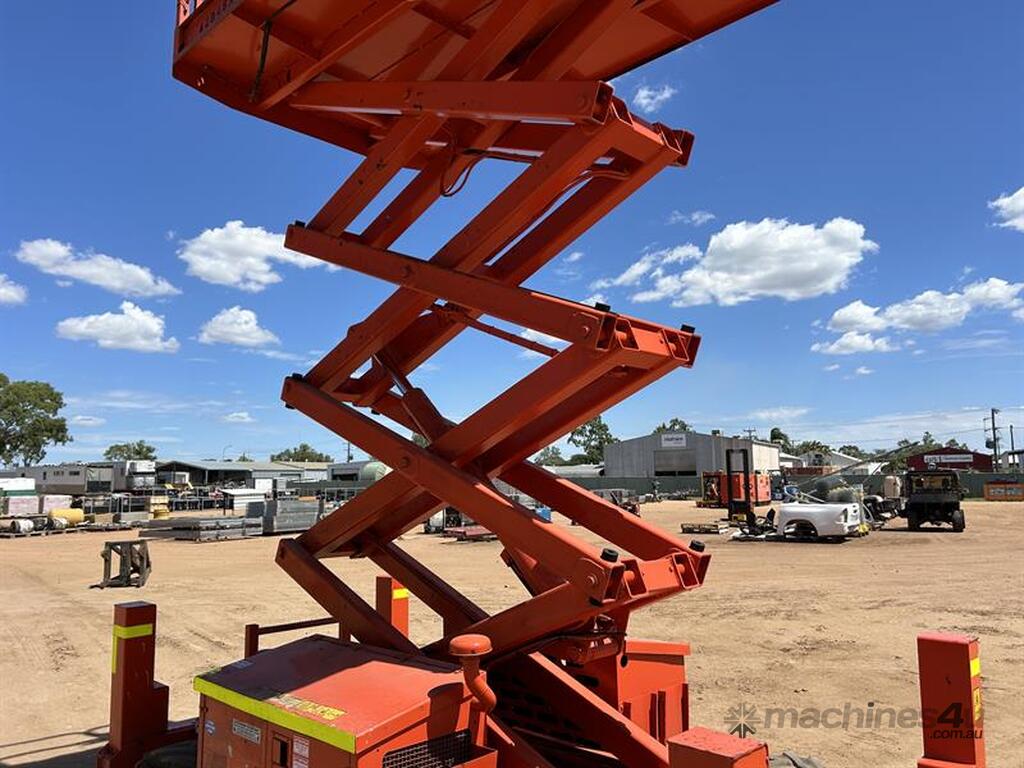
(743,720)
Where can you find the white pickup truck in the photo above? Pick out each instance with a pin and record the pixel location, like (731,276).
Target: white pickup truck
(820,521)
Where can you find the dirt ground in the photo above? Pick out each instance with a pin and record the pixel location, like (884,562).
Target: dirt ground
(775,625)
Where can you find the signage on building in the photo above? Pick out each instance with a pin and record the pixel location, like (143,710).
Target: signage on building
(673,440)
(948,458)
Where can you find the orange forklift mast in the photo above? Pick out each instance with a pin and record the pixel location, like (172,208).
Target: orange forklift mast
(435,88)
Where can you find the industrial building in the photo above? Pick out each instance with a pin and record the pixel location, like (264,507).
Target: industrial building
(951,458)
(247,474)
(683,454)
(72,478)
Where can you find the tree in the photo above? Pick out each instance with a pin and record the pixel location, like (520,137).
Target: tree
(577,458)
(782,439)
(810,445)
(420,440)
(592,437)
(674,424)
(550,457)
(301,452)
(244,457)
(927,441)
(952,443)
(140,449)
(29,420)
(854,451)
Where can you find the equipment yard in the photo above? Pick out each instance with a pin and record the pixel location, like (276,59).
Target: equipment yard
(776,625)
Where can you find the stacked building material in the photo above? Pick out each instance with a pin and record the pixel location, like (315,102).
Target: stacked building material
(157,506)
(203,528)
(239,499)
(287,515)
(22,506)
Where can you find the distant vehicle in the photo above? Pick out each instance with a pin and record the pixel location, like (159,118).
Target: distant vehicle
(933,496)
(441,521)
(820,521)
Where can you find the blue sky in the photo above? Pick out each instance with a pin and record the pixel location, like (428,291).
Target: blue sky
(862,277)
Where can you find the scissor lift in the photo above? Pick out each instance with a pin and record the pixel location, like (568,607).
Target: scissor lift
(437,88)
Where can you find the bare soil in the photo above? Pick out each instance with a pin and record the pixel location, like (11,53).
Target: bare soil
(775,625)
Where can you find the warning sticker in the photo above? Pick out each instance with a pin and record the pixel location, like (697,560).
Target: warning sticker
(248,732)
(300,747)
(300,762)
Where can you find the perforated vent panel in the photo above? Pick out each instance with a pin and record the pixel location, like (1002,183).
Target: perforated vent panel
(443,752)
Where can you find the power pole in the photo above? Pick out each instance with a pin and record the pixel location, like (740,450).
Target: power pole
(1014,458)
(995,441)
(751,433)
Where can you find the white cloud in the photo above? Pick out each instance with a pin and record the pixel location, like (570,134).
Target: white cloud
(88,421)
(594,299)
(137,401)
(236,326)
(863,370)
(929,310)
(773,257)
(650,100)
(238,417)
(277,354)
(832,367)
(1009,210)
(573,257)
(751,260)
(133,328)
(11,292)
(694,218)
(857,316)
(239,256)
(632,274)
(651,263)
(115,275)
(780,413)
(852,342)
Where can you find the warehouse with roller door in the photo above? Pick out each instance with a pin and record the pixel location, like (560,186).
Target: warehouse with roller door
(683,454)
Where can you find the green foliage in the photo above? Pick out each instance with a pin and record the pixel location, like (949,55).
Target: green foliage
(550,457)
(578,458)
(782,439)
(140,449)
(29,420)
(592,437)
(810,445)
(244,458)
(301,452)
(674,424)
(420,440)
(854,451)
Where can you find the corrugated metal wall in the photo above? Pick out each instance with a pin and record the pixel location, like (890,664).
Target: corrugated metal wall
(682,452)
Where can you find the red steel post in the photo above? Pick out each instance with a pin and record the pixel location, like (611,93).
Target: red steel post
(952,717)
(138,704)
(393,603)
